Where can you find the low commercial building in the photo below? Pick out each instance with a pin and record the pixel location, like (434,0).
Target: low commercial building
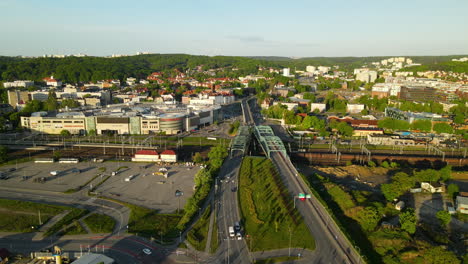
(124,120)
(389,140)
(153,156)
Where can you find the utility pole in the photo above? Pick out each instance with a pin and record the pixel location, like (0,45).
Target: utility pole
(40,220)
(289,253)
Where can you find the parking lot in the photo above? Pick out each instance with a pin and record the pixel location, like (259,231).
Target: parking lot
(145,189)
(153,191)
(28,175)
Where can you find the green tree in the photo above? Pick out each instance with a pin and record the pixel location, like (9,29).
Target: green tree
(65,133)
(368,218)
(3,154)
(422,125)
(446,173)
(444,218)
(197,158)
(401,183)
(452,190)
(393,124)
(51,103)
(439,255)
(443,128)
(428,175)
(408,220)
(92,132)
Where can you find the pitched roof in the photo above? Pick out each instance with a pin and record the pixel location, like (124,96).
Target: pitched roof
(168,152)
(146,152)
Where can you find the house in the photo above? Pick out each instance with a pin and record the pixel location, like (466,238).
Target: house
(168,156)
(400,205)
(52,82)
(462,204)
(319,106)
(432,187)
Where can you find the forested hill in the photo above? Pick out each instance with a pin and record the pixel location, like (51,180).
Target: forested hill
(83,69)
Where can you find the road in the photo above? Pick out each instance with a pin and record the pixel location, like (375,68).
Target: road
(227,213)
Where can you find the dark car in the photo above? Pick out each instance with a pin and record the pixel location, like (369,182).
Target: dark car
(234,189)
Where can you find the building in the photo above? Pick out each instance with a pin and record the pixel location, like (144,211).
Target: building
(389,140)
(17,97)
(290,106)
(318,106)
(323,69)
(286,72)
(153,156)
(365,131)
(19,83)
(138,119)
(168,156)
(462,204)
(366,76)
(50,81)
(310,69)
(146,156)
(421,94)
(432,187)
(354,108)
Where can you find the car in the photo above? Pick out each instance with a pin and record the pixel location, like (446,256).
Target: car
(147,251)
(11,169)
(237,227)
(238,236)
(233,189)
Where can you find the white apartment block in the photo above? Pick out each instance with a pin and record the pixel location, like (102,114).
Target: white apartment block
(19,83)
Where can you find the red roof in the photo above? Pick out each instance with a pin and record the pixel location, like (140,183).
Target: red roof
(146,152)
(168,152)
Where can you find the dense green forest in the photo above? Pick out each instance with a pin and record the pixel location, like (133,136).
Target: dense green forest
(83,69)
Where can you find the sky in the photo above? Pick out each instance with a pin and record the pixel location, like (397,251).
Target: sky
(294,28)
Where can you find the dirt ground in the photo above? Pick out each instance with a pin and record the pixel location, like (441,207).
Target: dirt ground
(370,176)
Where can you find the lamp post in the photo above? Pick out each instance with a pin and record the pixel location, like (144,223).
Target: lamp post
(289,252)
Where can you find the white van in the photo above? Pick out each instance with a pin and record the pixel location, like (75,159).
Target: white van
(231,231)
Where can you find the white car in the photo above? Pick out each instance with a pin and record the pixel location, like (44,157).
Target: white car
(147,251)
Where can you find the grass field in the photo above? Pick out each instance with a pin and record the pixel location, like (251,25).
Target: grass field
(100,223)
(198,235)
(214,237)
(148,222)
(73,215)
(268,215)
(21,216)
(74,229)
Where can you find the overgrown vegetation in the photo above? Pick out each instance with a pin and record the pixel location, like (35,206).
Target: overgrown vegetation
(268,213)
(100,223)
(359,214)
(198,235)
